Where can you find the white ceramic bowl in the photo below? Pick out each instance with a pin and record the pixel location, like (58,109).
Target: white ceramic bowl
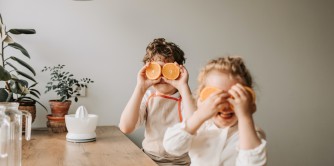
(81,128)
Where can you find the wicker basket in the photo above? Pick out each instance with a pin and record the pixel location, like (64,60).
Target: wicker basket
(29,106)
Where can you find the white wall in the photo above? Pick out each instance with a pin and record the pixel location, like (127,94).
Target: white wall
(288,46)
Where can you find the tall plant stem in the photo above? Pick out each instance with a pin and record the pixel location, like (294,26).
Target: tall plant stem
(3,64)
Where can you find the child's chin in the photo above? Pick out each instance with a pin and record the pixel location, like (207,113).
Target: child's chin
(164,88)
(222,123)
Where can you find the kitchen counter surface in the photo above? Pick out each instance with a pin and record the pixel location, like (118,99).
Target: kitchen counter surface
(111,148)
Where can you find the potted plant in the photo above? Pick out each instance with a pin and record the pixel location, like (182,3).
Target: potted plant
(66,87)
(14,83)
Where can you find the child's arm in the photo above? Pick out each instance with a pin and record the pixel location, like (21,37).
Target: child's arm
(243,106)
(178,139)
(181,84)
(206,110)
(252,149)
(130,115)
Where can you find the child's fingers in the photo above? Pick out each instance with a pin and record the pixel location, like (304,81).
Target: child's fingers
(143,69)
(244,90)
(167,80)
(155,81)
(233,93)
(182,69)
(231,101)
(240,91)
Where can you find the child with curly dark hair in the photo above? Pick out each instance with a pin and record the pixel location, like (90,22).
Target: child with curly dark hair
(159,103)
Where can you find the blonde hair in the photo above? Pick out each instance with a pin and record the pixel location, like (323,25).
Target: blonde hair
(233,65)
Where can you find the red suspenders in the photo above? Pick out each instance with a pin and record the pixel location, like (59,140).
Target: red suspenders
(168,97)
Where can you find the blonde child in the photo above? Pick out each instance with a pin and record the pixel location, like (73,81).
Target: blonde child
(160,106)
(216,134)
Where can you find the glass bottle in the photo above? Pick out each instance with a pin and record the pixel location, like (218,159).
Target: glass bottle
(14,146)
(4,133)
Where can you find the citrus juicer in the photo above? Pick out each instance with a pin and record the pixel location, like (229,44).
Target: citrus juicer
(81,126)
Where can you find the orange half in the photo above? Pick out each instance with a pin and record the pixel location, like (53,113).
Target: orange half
(171,71)
(153,71)
(206,92)
(251,91)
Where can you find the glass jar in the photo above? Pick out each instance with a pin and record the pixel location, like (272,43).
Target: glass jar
(14,145)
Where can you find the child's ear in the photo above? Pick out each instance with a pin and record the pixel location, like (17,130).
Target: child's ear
(253,108)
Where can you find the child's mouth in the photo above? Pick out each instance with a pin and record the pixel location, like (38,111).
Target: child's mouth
(226,115)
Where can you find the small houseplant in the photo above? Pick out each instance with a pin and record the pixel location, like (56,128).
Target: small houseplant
(14,83)
(66,88)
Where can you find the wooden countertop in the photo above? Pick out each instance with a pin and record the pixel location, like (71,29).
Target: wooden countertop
(111,148)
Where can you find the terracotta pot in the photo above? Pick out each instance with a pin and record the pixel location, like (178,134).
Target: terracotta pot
(58,108)
(29,106)
(56,124)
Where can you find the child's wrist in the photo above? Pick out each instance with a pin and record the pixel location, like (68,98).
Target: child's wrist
(141,88)
(245,118)
(183,88)
(201,116)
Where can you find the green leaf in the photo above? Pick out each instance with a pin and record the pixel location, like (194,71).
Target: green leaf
(25,75)
(22,82)
(24,64)
(1,19)
(8,40)
(14,87)
(11,65)
(34,94)
(4,74)
(33,85)
(35,91)
(36,102)
(19,47)
(3,95)
(22,31)
(63,98)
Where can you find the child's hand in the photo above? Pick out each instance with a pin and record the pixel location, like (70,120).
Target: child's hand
(143,81)
(181,81)
(242,101)
(213,104)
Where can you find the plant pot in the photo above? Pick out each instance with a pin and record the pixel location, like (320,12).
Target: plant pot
(56,124)
(29,106)
(58,108)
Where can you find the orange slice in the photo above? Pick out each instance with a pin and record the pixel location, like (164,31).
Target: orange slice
(170,71)
(153,71)
(206,92)
(251,91)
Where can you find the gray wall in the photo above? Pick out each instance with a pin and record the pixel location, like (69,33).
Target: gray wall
(288,46)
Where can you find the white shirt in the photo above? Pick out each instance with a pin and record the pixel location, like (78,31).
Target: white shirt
(213,146)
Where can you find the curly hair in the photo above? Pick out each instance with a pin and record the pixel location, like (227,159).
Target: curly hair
(233,65)
(167,49)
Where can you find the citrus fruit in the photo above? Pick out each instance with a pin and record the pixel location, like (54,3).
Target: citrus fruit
(206,92)
(170,71)
(153,71)
(250,90)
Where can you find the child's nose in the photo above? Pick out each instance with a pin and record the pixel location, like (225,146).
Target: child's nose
(227,106)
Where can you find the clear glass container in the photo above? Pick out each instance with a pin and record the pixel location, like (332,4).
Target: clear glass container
(14,145)
(4,132)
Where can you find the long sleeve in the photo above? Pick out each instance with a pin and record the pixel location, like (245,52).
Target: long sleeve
(253,157)
(176,140)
